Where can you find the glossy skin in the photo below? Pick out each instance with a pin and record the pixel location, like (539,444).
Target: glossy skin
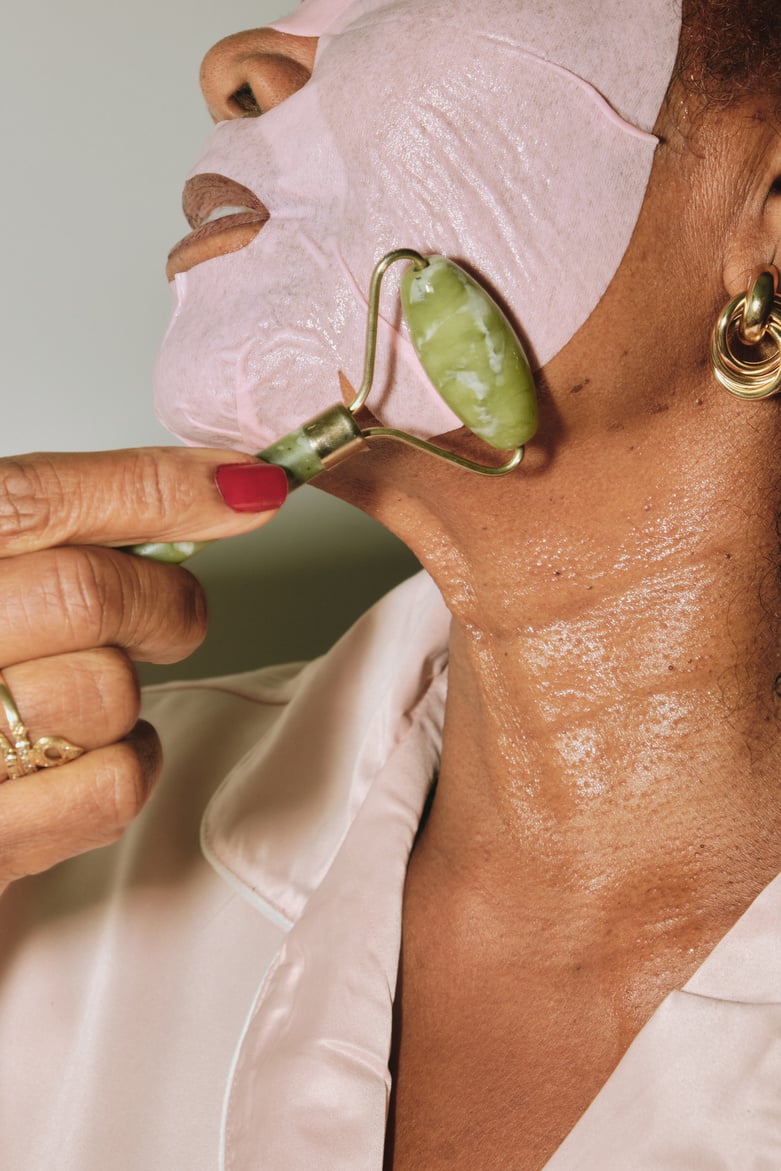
(607,804)
(608,801)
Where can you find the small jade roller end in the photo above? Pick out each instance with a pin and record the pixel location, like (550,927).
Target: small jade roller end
(320,444)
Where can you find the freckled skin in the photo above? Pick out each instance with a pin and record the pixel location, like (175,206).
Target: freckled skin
(607,805)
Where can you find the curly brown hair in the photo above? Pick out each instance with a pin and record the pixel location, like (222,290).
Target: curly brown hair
(730,50)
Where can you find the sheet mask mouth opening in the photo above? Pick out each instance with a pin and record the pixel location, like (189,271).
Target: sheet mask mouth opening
(224,217)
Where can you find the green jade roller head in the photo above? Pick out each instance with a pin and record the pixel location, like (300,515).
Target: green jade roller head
(471,354)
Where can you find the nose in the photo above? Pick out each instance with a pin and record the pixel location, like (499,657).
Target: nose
(251,72)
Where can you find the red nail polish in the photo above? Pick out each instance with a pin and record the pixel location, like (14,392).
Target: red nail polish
(252,487)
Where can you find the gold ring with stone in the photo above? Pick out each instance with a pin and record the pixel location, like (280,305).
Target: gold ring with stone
(20,755)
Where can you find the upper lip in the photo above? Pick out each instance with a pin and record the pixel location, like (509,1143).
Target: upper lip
(204,193)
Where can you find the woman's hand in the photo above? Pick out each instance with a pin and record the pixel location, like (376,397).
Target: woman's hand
(74,613)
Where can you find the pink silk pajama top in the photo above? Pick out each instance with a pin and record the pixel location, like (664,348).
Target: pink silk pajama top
(215,991)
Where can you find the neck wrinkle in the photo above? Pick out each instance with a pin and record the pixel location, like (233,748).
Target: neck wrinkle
(625,742)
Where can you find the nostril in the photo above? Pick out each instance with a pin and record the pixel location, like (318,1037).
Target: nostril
(250,73)
(244,101)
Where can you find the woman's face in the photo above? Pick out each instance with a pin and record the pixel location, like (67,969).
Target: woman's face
(514,137)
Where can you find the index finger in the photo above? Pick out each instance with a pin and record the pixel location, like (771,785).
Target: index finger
(123,497)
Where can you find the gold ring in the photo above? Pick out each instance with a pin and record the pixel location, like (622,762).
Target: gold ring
(20,755)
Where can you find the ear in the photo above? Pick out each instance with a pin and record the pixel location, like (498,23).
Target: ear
(756,239)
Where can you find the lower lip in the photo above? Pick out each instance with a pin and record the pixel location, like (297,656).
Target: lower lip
(218,238)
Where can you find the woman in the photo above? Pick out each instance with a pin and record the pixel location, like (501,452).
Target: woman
(589,947)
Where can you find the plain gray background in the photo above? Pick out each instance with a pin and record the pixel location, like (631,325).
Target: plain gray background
(101,121)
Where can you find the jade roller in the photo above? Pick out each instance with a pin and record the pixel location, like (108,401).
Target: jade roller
(469,351)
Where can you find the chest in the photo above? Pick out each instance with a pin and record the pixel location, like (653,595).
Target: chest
(495,1077)
(499,1049)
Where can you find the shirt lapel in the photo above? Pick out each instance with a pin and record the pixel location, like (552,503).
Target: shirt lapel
(700,1087)
(311,1086)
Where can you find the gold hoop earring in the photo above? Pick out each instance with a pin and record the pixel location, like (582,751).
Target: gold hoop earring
(747,321)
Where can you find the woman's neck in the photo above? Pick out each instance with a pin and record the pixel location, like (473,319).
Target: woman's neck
(611,731)
(605,747)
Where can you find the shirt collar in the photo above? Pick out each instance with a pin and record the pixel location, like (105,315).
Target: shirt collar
(281,815)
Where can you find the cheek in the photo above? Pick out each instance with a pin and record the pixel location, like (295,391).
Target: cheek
(258,341)
(538,196)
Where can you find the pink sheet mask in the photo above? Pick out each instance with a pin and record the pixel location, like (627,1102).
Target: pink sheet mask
(513,136)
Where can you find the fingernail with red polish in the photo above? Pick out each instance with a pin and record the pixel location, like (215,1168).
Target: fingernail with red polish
(252,487)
